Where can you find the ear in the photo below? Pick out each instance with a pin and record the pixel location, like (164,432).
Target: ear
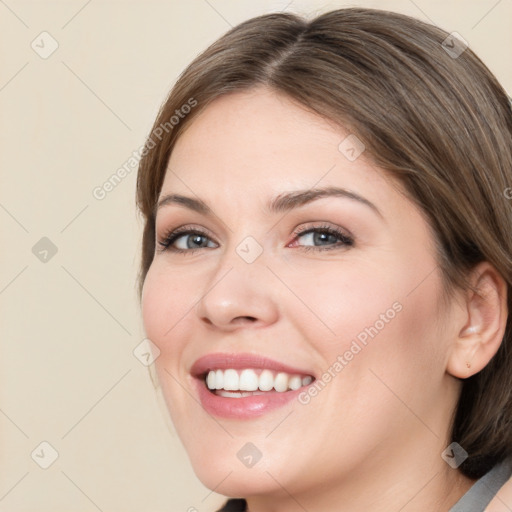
(483,322)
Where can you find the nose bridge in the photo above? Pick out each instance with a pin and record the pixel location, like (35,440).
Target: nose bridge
(244,259)
(239,287)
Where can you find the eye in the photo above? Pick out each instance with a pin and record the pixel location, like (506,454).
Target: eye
(326,237)
(320,238)
(184,240)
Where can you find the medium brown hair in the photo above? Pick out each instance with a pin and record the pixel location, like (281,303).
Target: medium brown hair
(438,121)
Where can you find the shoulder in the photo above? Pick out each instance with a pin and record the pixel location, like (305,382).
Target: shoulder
(502,502)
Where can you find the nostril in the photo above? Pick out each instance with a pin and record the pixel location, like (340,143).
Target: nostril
(250,318)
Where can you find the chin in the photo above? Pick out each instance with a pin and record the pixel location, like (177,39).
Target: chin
(240,483)
(224,471)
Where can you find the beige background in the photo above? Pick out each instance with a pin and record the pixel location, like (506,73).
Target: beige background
(69,325)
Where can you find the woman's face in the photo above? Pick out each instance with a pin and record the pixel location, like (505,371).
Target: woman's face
(356,307)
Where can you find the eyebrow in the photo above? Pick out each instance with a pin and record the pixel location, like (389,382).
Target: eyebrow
(282,203)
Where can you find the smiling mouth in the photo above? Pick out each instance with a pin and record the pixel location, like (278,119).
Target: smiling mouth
(233,383)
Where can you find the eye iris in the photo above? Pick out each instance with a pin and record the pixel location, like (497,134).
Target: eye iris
(196,239)
(320,237)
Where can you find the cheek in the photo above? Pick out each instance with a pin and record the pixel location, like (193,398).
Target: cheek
(423,341)
(404,343)
(153,307)
(381,314)
(387,342)
(337,302)
(166,303)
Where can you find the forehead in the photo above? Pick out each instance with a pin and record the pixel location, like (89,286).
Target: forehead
(258,139)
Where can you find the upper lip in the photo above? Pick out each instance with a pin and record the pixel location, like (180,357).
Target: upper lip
(240,361)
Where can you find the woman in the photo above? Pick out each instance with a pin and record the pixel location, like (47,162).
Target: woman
(327,265)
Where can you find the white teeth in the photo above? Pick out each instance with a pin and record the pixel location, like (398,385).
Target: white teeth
(266,380)
(306,381)
(238,394)
(219,379)
(281,382)
(248,382)
(295,382)
(231,380)
(211,380)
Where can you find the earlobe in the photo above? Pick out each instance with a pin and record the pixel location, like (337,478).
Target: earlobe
(463,361)
(483,325)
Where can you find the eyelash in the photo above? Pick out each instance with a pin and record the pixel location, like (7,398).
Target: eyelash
(172,236)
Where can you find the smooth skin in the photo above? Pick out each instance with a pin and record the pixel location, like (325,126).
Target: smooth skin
(372,438)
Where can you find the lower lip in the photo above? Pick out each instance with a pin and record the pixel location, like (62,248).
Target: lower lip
(246,407)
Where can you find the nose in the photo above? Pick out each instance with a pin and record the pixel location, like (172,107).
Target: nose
(239,294)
